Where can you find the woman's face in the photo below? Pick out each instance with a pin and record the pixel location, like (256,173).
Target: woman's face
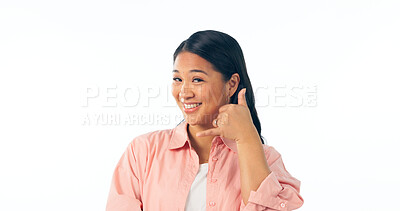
(198,89)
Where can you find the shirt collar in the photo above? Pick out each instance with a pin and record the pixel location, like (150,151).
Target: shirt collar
(180,137)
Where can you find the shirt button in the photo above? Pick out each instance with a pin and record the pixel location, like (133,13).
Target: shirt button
(213,180)
(211,203)
(283,205)
(214,158)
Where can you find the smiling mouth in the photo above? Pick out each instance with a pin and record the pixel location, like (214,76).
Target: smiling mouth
(189,106)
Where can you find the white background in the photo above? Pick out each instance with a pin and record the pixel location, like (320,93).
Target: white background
(54,54)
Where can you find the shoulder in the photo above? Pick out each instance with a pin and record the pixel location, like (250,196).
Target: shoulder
(151,139)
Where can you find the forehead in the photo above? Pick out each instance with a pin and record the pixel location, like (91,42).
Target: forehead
(186,61)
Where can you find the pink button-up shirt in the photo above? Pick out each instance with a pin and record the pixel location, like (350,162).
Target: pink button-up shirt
(157,169)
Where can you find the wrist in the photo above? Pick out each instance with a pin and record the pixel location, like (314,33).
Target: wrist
(251,136)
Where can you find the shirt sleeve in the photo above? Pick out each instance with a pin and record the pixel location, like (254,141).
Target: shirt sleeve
(126,186)
(278,191)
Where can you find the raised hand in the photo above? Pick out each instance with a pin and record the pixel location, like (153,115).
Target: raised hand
(233,121)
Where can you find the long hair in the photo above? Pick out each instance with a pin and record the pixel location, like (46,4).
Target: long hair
(226,56)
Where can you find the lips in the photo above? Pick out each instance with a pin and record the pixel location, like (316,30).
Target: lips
(191,107)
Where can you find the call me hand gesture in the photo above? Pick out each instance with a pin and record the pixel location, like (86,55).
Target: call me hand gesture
(234,121)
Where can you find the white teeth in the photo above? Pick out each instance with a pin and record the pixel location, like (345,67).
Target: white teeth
(191,105)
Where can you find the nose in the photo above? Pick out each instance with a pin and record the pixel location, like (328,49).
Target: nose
(186,92)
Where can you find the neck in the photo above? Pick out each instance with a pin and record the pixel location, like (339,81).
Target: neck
(201,145)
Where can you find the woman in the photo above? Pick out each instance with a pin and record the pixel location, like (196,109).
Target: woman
(215,159)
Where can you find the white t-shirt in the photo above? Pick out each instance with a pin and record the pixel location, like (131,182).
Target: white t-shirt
(196,200)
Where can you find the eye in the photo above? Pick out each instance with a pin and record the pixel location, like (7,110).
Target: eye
(175,79)
(198,79)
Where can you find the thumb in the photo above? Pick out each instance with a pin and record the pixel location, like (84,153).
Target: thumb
(242,97)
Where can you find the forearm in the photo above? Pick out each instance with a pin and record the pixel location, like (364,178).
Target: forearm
(253,164)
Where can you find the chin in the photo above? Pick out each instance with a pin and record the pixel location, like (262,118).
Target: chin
(196,121)
(192,121)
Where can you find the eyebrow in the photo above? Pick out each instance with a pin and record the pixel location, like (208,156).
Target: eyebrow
(195,70)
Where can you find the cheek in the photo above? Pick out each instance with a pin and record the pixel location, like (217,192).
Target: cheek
(211,95)
(204,93)
(175,92)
